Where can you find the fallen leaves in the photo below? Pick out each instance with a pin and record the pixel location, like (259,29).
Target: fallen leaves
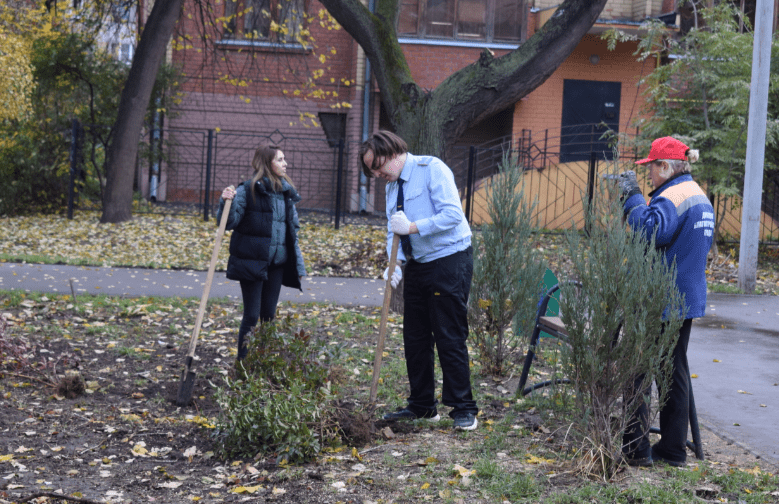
(186,241)
(181,242)
(246,489)
(462,471)
(532,459)
(140,450)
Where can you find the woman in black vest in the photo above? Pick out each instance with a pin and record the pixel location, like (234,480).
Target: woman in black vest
(264,249)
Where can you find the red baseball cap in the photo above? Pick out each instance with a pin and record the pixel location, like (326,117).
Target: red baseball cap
(666,148)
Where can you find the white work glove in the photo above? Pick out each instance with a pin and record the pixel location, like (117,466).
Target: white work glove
(396,276)
(400,224)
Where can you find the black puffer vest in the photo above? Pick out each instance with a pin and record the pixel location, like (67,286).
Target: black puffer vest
(250,244)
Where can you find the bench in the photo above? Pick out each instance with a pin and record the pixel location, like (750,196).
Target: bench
(549,323)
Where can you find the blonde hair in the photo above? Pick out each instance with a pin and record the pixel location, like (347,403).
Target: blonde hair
(262,164)
(679,165)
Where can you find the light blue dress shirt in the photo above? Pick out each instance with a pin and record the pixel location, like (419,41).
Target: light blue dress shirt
(433,203)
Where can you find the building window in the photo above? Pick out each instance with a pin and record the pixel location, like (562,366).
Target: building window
(477,20)
(265,20)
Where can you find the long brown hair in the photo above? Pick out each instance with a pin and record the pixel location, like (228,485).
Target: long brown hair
(263,157)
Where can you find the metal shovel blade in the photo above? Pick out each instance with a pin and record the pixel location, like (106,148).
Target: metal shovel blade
(186,387)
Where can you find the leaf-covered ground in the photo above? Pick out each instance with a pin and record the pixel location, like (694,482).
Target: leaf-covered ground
(186,242)
(122,439)
(181,242)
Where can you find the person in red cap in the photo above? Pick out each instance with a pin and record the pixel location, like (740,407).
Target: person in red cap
(681,217)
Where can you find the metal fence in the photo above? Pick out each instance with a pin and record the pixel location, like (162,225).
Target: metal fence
(196,165)
(191,168)
(557,188)
(560,188)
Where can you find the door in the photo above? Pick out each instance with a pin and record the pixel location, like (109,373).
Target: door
(590,109)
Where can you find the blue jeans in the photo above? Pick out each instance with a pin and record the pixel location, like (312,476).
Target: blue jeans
(259,303)
(435,314)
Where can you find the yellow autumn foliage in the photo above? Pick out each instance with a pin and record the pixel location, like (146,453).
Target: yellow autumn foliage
(16,78)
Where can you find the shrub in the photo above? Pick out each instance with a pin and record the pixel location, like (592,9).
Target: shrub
(281,399)
(507,274)
(614,324)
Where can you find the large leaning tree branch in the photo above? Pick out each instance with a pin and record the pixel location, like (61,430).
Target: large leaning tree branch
(432,120)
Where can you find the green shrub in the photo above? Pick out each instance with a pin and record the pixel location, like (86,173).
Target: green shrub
(281,401)
(34,168)
(74,79)
(507,273)
(614,324)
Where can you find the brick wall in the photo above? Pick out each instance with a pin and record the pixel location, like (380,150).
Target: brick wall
(430,65)
(250,72)
(543,108)
(261,90)
(260,105)
(633,10)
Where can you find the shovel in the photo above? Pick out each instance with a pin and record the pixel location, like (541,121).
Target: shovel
(187,375)
(384,316)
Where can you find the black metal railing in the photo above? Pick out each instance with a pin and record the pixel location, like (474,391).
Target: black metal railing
(191,167)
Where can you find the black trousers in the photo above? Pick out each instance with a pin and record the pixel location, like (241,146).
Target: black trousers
(435,314)
(674,415)
(259,303)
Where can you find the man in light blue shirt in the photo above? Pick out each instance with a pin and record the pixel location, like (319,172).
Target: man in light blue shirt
(424,209)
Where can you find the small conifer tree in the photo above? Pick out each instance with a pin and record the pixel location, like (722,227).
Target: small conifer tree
(622,322)
(507,274)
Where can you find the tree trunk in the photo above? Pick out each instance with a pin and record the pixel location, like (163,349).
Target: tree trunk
(431,121)
(123,150)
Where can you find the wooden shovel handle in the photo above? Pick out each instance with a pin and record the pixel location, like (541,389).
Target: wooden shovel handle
(207,287)
(384,316)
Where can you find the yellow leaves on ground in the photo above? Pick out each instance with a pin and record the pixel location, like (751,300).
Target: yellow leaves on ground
(140,450)
(462,471)
(182,241)
(532,459)
(246,489)
(201,421)
(131,417)
(755,471)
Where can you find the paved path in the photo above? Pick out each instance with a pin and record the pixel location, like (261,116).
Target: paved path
(147,282)
(734,350)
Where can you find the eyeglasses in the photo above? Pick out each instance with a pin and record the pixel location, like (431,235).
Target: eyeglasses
(377,164)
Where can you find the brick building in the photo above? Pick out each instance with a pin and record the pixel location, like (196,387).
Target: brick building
(249,80)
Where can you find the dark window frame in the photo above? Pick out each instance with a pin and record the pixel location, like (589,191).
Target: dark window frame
(414,14)
(234,32)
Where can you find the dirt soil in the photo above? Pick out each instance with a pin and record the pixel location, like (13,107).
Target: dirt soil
(103,426)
